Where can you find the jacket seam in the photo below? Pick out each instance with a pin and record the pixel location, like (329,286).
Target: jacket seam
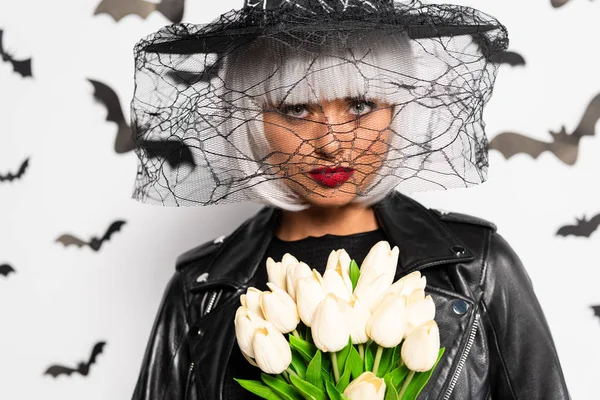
(183,334)
(500,356)
(485,265)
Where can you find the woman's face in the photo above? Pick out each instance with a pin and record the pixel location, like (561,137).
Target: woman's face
(328,152)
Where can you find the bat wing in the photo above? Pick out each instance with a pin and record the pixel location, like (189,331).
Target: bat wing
(175,152)
(69,240)
(568,230)
(10,176)
(98,348)
(22,67)
(510,144)
(508,57)
(594,223)
(114,227)
(120,8)
(56,370)
(558,3)
(6,269)
(590,117)
(172,9)
(107,96)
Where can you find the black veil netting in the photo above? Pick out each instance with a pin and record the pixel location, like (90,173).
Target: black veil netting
(285,98)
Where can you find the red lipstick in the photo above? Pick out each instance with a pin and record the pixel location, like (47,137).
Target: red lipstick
(331,176)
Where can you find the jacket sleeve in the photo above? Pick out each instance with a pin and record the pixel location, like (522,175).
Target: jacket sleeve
(166,362)
(523,359)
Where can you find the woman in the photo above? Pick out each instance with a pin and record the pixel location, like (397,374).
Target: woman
(320,108)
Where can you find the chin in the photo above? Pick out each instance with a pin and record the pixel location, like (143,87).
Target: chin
(329,197)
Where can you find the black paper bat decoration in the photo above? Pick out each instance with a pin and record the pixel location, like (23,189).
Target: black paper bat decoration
(596,311)
(173,151)
(107,96)
(11,177)
(83,367)
(558,3)
(172,9)
(564,146)
(94,243)
(22,67)
(583,227)
(508,57)
(6,269)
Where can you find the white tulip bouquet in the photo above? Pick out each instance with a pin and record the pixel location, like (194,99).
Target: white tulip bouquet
(380,337)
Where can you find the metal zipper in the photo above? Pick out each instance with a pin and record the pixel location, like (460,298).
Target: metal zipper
(463,358)
(212,302)
(189,379)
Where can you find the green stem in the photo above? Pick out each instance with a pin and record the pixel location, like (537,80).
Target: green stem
(401,363)
(336,371)
(411,373)
(291,372)
(286,376)
(377,359)
(295,333)
(361,352)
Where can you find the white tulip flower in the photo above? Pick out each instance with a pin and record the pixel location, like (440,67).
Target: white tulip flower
(310,291)
(409,283)
(418,311)
(330,331)
(272,352)
(388,320)
(376,273)
(251,300)
(371,288)
(339,258)
(246,323)
(337,281)
(279,309)
(295,272)
(366,387)
(420,349)
(276,273)
(381,259)
(358,316)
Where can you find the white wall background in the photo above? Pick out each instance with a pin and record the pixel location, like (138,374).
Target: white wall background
(61,301)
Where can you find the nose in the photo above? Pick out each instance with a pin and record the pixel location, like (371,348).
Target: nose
(332,133)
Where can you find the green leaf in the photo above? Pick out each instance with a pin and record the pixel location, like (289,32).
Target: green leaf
(283,389)
(258,388)
(355,363)
(345,378)
(332,391)
(396,376)
(308,391)
(390,391)
(313,372)
(385,363)
(368,358)
(395,358)
(298,364)
(305,349)
(342,355)
(354,273)
(420,379)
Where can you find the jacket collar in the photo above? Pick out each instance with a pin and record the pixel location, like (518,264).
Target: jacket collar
(422,238)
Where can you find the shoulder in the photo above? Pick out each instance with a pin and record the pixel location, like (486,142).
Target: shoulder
(198,253)
(454,218)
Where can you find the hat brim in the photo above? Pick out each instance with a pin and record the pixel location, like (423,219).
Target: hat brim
(215,43)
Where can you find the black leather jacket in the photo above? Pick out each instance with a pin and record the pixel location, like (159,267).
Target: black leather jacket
(497,341)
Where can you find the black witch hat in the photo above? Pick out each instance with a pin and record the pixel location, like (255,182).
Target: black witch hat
(204,91)
(268,17)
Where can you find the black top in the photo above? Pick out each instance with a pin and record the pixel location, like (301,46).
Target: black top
(314,251)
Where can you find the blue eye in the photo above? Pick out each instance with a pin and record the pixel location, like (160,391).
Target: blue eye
(295,110)
(359,107)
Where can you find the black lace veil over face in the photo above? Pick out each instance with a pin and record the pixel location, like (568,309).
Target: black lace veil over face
(314,101)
